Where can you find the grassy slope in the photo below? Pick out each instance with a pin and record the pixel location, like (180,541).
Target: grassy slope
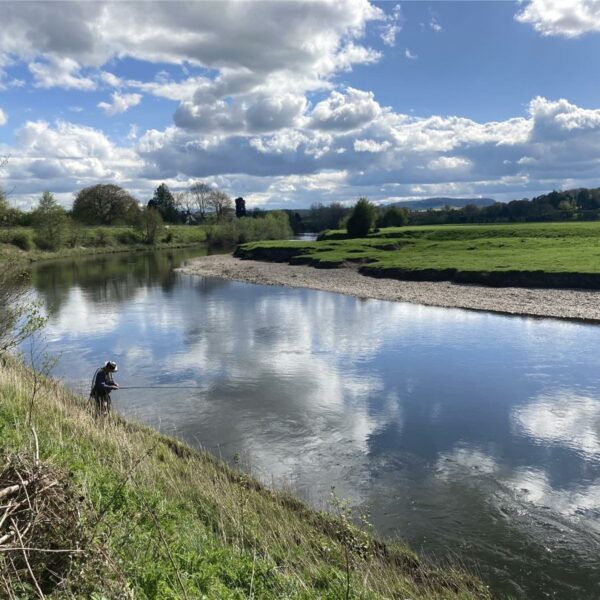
(175,518)
(554,248)
(100,240)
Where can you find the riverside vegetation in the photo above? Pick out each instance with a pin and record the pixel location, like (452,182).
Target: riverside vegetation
(565,254)
(106,218)
(144,516)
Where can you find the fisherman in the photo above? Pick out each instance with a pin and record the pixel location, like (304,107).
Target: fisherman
(102,386)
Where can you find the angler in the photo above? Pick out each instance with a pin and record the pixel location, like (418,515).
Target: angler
(102,385)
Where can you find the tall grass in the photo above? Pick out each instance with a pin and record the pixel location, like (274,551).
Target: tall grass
(167,521)
(273,226)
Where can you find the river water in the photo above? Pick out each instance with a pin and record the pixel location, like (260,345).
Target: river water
(473,436)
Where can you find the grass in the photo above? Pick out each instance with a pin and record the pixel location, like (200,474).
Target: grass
(17,243)
(165,521)
(445,252)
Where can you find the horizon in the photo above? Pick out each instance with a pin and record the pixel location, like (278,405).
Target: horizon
(292,103)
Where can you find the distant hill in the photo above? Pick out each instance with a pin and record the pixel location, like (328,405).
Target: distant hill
(429,203)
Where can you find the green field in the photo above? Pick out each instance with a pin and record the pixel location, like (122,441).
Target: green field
(149,517)
(545,254)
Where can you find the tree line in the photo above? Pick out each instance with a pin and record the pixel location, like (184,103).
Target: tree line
(109,204)
(581,204)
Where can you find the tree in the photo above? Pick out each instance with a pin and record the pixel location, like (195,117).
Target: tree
(393,216)
(164,202)
(19,316)
(105,204)
(221,204)
(240,207)
(200,193)
(50,223)
(150,224)
(361,219)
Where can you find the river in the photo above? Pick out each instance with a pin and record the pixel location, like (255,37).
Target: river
(475,437)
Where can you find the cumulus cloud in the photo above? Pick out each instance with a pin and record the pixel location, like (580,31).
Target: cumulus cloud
(567,18)
(371,146)
(410,55)
(120,103)
(343,111)
(60,72)
(271,118)
(3,118)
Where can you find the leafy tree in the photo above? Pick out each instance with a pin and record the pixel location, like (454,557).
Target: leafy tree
(393,216)
(221,204)
(200,197)
(240,208)
(105,204)
(361,219)
(150,224)
(165,203)
(50,223)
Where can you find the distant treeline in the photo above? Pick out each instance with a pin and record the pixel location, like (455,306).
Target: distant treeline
(581,204)
(571,205)
(223,220)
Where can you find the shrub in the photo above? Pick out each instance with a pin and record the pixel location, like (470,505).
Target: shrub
(150,224)
(22,240)
(362,219)
(101,238)
(128,237)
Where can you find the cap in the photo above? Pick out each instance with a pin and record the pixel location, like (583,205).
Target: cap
(111,365)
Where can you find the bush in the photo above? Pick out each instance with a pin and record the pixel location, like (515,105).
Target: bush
(128,237)
(362,219)
(22,240)
(168,238)
(150,224)
(101,238)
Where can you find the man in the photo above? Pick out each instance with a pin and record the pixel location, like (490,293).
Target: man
(103,386)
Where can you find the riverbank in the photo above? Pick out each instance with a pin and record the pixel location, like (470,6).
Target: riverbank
(559,303)
(149,517)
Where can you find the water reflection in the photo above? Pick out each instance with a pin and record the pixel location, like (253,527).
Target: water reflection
(466,431)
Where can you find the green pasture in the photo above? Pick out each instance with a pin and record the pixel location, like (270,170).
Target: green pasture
(547,247)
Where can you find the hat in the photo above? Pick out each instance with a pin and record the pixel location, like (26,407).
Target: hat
(111,365)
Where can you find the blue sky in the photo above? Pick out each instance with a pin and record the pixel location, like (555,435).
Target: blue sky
(290,103)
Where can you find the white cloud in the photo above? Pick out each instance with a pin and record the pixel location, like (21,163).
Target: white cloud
(60,72)
(120,103)
(567,18)
(345,111)
(3,118)
(390,30)
(370,146)
(410,55)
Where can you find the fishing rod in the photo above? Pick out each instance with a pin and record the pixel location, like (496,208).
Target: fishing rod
(160,387)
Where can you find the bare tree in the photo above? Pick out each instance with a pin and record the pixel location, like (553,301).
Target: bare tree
(221,204)
(200,193)
(20,316)
(184,201)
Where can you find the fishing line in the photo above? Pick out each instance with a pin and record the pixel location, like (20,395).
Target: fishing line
(160,387)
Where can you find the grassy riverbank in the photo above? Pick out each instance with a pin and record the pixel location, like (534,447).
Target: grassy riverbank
(16,243)
(532,254)
(157,519)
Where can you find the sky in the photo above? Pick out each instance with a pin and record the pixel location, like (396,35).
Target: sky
(292,103)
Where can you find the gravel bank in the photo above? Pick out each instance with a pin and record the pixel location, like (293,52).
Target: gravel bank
(562,304)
